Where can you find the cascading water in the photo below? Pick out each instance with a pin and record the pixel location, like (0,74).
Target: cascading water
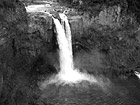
(65,46)
(68,74)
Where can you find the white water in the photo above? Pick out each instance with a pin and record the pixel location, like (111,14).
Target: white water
(137,74)
(68,74)
(37,8)
(65,54)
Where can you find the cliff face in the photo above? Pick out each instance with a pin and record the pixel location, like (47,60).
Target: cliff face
(111,31)
(107,30)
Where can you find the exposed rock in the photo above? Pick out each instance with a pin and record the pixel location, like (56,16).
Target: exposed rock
(76,23)
(108,19)
(42,23)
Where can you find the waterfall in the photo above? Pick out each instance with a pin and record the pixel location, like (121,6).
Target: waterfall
(65,46)
(67,74)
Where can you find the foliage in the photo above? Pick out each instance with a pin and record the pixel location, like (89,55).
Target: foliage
(120,50)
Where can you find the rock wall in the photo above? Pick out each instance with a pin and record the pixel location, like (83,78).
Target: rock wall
(110,32)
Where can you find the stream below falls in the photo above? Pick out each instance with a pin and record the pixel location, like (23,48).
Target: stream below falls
(118,92)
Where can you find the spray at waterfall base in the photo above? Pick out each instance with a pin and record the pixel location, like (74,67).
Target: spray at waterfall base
(68,74)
